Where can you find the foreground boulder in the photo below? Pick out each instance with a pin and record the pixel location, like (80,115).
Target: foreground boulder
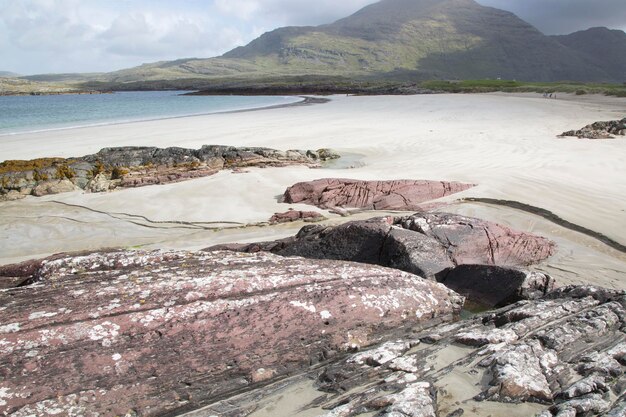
(599,130)
(132,166)
(163,332)
(432,245)
(563,355)
(372,195)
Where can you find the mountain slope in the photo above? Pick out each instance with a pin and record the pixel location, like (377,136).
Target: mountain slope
(425,38)
(601,45)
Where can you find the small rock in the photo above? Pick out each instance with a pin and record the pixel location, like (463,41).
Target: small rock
(585,386)
(296,215)
(54,187)
(487,337)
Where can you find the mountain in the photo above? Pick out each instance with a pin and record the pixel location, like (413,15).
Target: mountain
(8,74)
(439,38)
(405,39)
(600,45)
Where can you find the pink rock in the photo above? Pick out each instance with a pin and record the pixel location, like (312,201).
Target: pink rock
(477,258)
(165,332)
(373,195)
(295,215)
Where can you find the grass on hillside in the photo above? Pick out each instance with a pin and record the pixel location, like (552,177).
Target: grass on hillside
(510,86)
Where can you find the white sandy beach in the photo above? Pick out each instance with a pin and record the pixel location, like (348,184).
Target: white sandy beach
(504,143)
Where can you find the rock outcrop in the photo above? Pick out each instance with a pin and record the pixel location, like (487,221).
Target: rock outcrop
(372,195)
(479,259)
(163,332)
(562,355)
(139,166)
(599,130)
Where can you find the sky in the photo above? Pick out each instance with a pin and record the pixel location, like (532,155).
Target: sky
(58,36)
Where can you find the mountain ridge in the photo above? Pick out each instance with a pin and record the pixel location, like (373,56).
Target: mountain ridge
(419,39)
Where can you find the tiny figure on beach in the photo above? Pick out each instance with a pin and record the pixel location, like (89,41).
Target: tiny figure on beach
(550,95)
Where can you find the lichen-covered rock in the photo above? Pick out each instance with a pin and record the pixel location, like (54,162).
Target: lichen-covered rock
(164,332)
(54,187)
(134,166)
(593,383)
(101,183)
(470,255)
(374,195)
(417,399)
(497,363)
(520,372)
(600,130)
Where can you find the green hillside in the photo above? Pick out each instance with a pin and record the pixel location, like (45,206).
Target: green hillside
(444,39)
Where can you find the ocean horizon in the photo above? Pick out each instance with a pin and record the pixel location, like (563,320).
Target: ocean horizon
(32,114)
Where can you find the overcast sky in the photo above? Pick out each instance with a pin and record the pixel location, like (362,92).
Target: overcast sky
(45,36)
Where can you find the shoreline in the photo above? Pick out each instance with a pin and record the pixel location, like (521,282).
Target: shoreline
(304,102)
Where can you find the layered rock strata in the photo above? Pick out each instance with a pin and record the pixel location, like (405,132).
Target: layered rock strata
(163,332)
(477,258)
(372,195)
(599,130)
(125,167)
(562,355)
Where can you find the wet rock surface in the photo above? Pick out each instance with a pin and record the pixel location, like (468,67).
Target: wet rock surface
(533,356)
(164,332)
(373,195)
(127,167)
(479,259)
(599,130)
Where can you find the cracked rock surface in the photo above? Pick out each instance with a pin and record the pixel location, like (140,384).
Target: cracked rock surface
(372,195)
(163,332)
(540,366)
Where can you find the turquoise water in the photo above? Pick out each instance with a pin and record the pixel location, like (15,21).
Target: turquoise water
(19,114)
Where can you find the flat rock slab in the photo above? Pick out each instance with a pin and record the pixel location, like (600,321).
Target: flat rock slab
(162,332)
(372,195)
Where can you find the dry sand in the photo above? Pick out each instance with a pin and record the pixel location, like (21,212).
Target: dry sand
(504,143)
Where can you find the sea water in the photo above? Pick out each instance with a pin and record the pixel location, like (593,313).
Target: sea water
(20,114)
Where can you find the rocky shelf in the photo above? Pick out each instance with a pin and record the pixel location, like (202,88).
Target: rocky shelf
(599,130)
(129,167)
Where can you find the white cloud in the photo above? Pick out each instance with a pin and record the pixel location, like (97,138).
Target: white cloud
(241,9)
(291,12)
(38,36)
